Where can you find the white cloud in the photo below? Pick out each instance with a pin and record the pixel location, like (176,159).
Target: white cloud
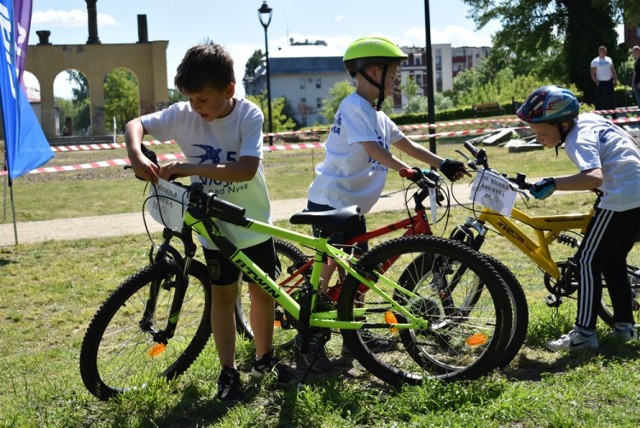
(339,18)
(454,35)
(69,18)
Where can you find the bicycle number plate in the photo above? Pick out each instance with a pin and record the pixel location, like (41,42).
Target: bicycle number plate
(166,204)
(494,192)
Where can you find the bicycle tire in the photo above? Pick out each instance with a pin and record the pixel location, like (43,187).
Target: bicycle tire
(117,355)
(453,346)
(605,311)
(519,303)
(520,314)
(291,258)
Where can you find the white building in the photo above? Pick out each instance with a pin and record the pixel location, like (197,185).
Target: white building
(303,73)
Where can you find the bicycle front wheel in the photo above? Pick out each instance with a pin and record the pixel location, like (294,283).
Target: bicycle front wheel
(465,327)
(125,346)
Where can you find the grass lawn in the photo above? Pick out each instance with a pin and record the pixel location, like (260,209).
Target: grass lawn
(51,290)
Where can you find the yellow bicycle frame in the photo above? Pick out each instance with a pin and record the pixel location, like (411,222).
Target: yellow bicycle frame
(545,228)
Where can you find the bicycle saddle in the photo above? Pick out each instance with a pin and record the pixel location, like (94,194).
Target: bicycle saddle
(332,221)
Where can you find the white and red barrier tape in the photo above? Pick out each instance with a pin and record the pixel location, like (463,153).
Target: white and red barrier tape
(104,146)
(165,157)
(276,147)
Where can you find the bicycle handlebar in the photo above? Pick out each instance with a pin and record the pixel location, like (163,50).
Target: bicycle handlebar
(481,159)
(423,178)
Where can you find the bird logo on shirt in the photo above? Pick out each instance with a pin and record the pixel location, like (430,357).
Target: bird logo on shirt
(210,153)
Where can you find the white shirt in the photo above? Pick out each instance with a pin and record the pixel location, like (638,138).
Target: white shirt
(347,176)
(222,140)
(603,68)
(597,143)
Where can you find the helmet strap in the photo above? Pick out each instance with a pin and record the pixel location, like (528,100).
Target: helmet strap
(563,133)
(380,85)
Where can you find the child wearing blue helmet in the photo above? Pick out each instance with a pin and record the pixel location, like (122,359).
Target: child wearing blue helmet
(608,159)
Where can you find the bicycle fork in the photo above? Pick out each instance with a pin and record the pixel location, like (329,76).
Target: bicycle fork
(176,277)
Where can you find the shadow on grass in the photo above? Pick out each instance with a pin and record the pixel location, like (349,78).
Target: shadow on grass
(527,368)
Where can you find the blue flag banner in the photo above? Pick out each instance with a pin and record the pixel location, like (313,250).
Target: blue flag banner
(25,144)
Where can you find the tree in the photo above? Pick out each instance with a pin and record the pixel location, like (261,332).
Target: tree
(80,109)
(558,37)
(281,122)
(80,90)
(415,103)
(121,97)
(337,93)
(175,95)
(252,64)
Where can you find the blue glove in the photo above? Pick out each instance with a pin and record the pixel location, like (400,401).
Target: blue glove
(543,188)
(451,168)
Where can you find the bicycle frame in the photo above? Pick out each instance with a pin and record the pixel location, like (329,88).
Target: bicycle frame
(417,224)
(546,230)
(207,227)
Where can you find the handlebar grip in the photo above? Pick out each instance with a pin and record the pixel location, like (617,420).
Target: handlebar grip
(471,148)
(407,173)
(223,209)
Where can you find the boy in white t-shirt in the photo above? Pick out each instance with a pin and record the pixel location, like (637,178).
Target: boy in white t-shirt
(608,160)
(221,138)
(357,151)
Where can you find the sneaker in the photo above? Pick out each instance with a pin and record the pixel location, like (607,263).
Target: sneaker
(229,384)
(574,341)
(270,364)
(316,356)
(624,331)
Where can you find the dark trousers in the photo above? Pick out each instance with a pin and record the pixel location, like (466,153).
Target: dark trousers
(603,252)
(604,95)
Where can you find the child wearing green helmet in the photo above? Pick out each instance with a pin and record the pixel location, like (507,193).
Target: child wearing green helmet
(357,151)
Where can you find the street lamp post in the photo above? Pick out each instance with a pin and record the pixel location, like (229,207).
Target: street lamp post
(264,14)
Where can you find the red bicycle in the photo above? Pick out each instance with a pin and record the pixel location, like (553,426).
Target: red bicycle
(296,265)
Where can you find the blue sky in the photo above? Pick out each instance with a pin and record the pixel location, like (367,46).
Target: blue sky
(235,24)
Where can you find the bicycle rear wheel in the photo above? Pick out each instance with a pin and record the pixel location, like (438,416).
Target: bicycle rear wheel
(122,349)
(291,278)
(466,329)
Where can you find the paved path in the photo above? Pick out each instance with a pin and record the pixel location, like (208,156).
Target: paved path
(132,224)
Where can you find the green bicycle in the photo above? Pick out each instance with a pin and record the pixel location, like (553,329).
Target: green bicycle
(442,306)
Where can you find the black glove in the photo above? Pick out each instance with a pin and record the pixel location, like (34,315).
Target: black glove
(450,168)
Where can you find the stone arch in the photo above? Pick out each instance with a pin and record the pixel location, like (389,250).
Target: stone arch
(147,60)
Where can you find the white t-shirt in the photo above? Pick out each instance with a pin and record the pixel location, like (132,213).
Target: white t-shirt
(219,141)
(603,68)
(347,176)
(597,143)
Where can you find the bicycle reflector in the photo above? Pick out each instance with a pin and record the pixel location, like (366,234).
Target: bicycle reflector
(390,318)
(477,339)
(156,350)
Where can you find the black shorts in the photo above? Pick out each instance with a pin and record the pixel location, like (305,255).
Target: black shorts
(223,272)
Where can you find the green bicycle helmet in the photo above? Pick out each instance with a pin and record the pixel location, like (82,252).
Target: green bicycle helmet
(372,50)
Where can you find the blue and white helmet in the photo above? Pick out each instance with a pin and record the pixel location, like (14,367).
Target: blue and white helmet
(549,104)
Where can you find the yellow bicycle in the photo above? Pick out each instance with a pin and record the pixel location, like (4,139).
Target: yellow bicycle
(533,235)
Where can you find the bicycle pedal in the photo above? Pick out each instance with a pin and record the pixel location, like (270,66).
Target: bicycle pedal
(552,301)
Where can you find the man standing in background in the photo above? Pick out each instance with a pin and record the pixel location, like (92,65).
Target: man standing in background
(603,73)
(635,82)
